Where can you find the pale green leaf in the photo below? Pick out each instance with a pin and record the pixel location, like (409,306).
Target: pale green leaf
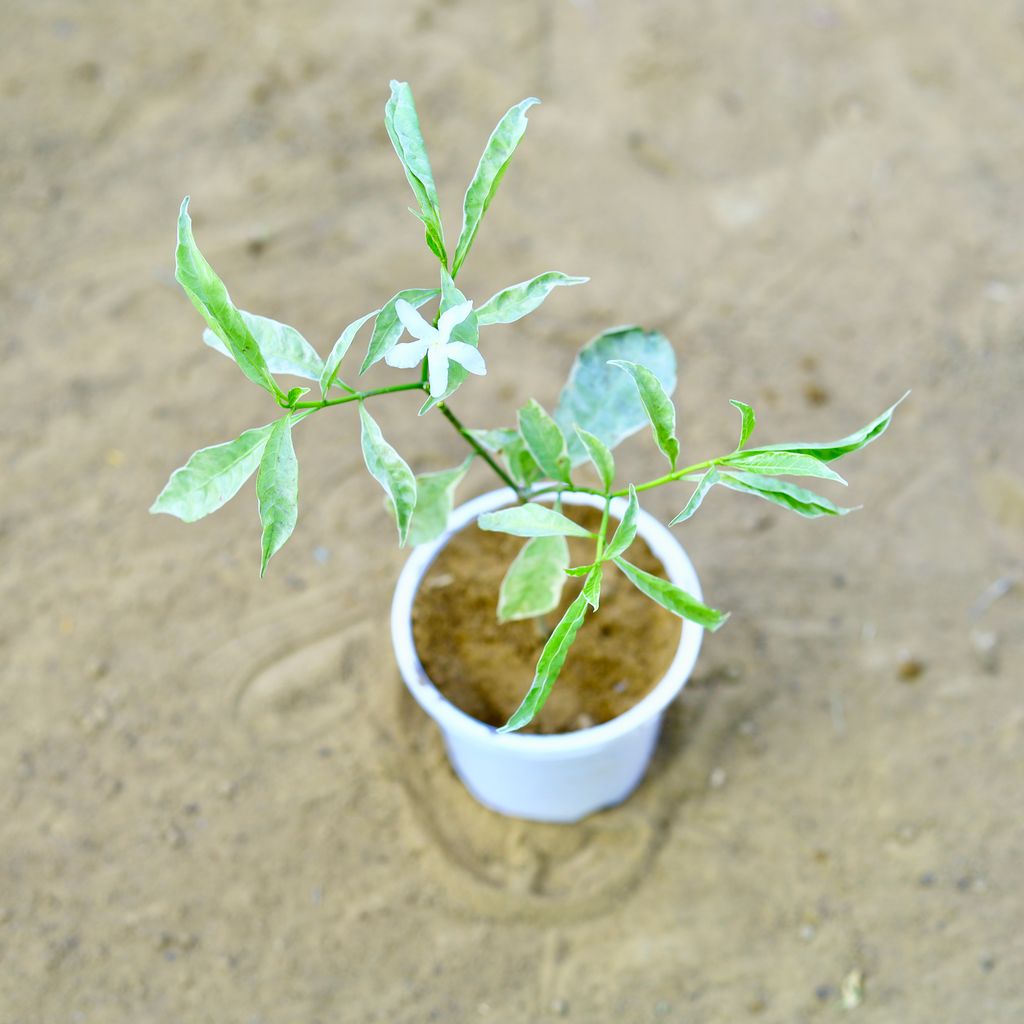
(544,440)
(660,409)
(747,422)
(513,303)
(781,464)
(706,482)
(493,163)
(592,586)
(284,349)
(435,496)
(329,373)
(387,328)
(625,532)
(210,297)
(277,488)
(600,456)
(531,520)
(782,493)
(403,127)
(552,658)
(533,584)
(390,470)
(828,451)
(601,398)
(467,332)
(212,476)
(669,596)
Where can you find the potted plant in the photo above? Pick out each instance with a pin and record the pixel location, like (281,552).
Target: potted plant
(568,541)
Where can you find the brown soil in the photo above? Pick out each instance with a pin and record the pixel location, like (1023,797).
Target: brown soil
(485,667)
(217,802)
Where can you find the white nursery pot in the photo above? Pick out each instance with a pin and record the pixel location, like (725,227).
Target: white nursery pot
(556,778)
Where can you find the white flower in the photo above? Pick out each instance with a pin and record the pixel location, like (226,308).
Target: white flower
(434,343)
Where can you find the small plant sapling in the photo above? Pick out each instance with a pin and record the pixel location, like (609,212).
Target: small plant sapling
(620,382)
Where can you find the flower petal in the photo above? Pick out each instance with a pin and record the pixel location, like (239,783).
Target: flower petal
(413,322)
(466,356)
(451,318)
(437,369)
(406,355)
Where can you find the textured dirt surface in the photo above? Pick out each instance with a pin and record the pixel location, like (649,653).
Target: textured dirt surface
(215,802)
(485,667)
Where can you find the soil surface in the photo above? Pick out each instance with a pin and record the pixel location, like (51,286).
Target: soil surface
(485,667)
(216,801)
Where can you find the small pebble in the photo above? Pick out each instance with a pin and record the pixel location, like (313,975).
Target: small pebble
(560,1007)
(927,880)
(823,993)
(906,834)
(321,555)
(851,991)
(987,963)
(717,778)
(174,836)
(807,933)
(584,721)
(909,669)
(985,645)
(662,1008)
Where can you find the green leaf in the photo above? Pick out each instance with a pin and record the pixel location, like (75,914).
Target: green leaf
(212,476)
(592,586)
(747,422)
(660,409)
(284,349)
(600,456)
(513,303)
(329,372)
(387,329)
(706,482)
(533,584)
(625,532)
(435,496)
(390,470)
(601,398)
(403,127)
(467,332)
(489,172)
(544,440)
(277,488)
(669,596)
(779,492)
(531,520)
(782,464)
(580,570)
(549,666)
(210,297)
(828,451)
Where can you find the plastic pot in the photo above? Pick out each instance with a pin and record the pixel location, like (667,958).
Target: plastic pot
(554,778)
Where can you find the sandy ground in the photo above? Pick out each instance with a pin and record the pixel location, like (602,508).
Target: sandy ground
(215,803)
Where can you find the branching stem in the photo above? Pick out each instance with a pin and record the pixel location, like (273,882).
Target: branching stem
(478,448)
(358,396)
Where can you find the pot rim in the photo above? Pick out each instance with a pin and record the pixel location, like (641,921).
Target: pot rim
(452,719)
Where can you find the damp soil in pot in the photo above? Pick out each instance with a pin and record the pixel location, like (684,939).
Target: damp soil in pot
(484,667)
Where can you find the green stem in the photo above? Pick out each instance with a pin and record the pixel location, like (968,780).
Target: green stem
(669,477)
(602,533)
(358,396)
(478,448)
